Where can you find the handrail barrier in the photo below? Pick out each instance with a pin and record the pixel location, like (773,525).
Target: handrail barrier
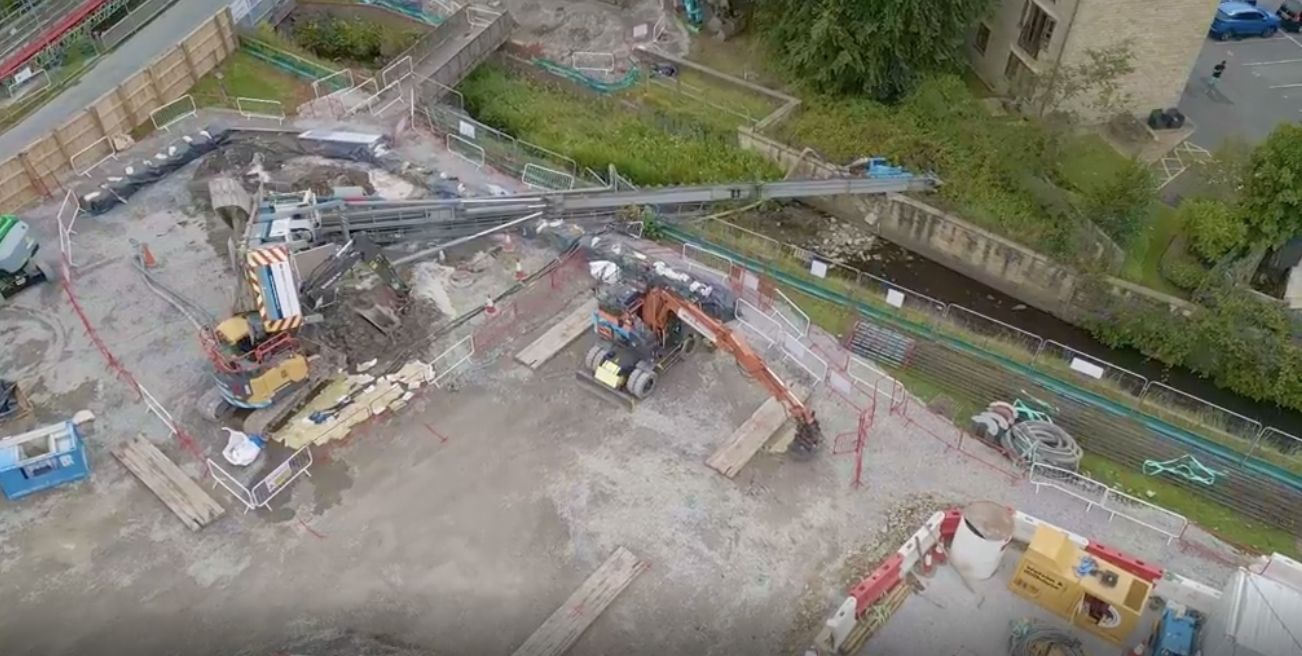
(174,112)
(260,108)
(101,149)
(1184,431)
(1115,502)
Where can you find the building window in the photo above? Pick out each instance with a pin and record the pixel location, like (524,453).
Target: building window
(1018,74)
(982,38)
(1036,29)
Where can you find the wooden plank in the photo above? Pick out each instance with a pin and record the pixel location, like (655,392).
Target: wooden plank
(563,628)
(751,436)
(189,502)
(559,336)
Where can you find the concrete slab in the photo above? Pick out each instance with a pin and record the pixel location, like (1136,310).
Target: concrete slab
(559,336)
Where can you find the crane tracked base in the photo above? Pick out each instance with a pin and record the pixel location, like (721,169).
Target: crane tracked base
(617,397)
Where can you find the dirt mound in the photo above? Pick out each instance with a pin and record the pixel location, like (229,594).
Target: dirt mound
(343,328)
(324,178)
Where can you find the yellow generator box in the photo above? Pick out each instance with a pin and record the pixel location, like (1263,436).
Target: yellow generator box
(1090,593)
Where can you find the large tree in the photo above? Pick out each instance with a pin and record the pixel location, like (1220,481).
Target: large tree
(1270,202)
(876,47)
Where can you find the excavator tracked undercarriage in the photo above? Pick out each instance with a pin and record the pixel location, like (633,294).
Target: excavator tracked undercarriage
(646,329)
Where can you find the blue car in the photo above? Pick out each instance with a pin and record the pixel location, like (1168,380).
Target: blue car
(1235,20)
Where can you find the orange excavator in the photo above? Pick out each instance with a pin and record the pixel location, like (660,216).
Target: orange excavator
(645,329)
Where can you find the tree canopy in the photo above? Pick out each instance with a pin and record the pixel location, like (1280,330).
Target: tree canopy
(846,47)
(1270,202)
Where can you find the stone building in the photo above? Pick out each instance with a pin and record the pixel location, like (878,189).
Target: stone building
(1025,38)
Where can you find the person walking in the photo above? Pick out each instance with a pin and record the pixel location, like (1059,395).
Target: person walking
(1217,72)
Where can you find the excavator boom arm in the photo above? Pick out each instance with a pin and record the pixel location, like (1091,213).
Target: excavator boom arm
(661,302)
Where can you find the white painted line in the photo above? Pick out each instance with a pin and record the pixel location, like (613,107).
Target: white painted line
(1294,40)
(1272,63)
(1286,86)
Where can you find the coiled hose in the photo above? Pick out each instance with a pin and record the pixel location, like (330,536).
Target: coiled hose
(1031,638)
(1042,442)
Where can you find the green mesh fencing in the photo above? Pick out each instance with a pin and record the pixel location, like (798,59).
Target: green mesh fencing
(574,75)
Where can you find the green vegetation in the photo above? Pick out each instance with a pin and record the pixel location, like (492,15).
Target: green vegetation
(77,61)
(1144,256)
(660,144)
(1199,510)
(352,39)
(837,319)
(1007,174)
(845,47)
(245,76)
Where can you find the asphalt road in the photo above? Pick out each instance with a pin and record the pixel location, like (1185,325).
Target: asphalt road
(159,36)
(1261,88)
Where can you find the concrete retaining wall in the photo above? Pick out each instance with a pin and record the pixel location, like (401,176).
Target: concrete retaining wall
(974,252)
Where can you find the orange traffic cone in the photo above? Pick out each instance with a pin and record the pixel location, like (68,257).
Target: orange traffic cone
(938,552)
(147,257)
(508,246)
(489,308)
(519,272)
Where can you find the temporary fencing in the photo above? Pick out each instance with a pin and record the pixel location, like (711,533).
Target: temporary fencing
(540,299)
(174,112)
(262,492)
(601,62)
(1115,502)
(89,158)
(982,357)
(260,108)
(69,209)
(503,151)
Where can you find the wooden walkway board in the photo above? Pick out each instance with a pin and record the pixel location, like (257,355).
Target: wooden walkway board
(559,336)
(751,436)
(563,628)
(178,492)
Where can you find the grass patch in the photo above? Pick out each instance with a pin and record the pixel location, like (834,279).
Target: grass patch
(995,168)
(1200,510)
(246,76)
(657,145)
(1143,264)
(708,101)
(1207,514)
(71,72)
(994,339)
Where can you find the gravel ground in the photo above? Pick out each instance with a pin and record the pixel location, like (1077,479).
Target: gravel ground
(492,502)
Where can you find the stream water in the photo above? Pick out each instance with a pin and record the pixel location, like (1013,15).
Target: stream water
(902,267)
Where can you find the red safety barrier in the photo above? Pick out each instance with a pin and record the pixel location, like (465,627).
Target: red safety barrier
(954,437)
(541,299)
(187,442)
(49,37)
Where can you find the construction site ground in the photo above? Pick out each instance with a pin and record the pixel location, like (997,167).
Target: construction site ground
(594,30)
(461,522)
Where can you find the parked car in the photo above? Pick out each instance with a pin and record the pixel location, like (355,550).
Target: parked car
(1290,16)
(1235,20)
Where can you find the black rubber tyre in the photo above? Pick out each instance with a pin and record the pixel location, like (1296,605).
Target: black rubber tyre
(641,383)
(594,357)
(1270,31)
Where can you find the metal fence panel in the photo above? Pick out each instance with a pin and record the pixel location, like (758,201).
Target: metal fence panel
(1062,359)
(466,149)
(804,356)
(451,361)
(764,330)
(1184,409)
(1115,502)
(539,177)
(992,333)
(174,112)
(231,484)
(1276,446)
(279,479)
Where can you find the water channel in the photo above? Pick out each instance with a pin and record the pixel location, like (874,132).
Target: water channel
(884,259)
